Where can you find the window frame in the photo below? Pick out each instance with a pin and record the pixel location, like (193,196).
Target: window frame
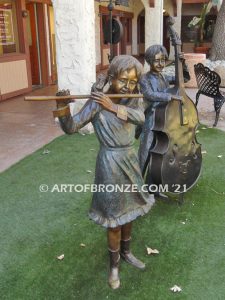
(19,29)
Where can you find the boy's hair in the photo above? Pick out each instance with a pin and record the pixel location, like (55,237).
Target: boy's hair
(122,63)
(152,51)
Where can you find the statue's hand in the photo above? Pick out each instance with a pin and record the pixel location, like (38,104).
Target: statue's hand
(176,97)
(62,103)
(100,83)
(104,101)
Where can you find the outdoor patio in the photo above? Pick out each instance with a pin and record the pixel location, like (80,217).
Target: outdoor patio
(27,126)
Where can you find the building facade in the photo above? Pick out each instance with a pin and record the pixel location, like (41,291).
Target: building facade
(28,29)
(27,46)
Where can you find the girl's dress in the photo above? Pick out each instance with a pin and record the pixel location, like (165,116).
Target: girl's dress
(117,166)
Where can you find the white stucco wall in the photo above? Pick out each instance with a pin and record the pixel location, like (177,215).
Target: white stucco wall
(153,24)
(75,43)
(75,46)
(97,34)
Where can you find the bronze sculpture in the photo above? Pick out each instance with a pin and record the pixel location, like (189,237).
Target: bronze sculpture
(153,85)
(168,143)
(114,122)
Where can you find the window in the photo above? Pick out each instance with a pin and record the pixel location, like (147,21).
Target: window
(9,42)
(190,34)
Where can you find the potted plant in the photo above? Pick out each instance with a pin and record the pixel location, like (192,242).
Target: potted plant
(198,24)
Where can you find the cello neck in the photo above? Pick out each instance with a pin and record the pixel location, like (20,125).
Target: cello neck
(179,79)
(176,42)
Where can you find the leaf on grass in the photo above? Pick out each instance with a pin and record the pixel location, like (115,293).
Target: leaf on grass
(152,251)
(183,223)
(176,289)
(220,156)
(82,245)
(46,151)
(60,257)
(197,131)
(89,171)
(92,149)
(204,151)
(204,128)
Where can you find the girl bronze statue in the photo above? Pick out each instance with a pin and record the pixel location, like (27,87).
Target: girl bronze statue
(114,122)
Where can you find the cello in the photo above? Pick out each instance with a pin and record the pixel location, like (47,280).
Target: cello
(176,157)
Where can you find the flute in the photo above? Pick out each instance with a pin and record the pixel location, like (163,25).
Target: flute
(77,97)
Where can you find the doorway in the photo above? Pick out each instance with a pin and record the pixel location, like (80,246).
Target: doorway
(166,38)
(126,40)
(52,44)
(141,32)
(41,40)
(33,40)
(123,44)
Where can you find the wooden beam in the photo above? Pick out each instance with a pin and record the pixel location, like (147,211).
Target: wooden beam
(42,31)
(175,7)
(152,3)
(194,1)
(116,12)
(41,1)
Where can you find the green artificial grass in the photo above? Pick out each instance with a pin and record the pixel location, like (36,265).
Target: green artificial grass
(36,227)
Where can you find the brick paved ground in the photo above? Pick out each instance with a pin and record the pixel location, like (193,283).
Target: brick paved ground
(27,126)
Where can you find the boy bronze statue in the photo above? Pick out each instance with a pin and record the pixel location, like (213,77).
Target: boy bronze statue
(154,86)
(114,122)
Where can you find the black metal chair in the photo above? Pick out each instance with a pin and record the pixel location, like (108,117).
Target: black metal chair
(208,84)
